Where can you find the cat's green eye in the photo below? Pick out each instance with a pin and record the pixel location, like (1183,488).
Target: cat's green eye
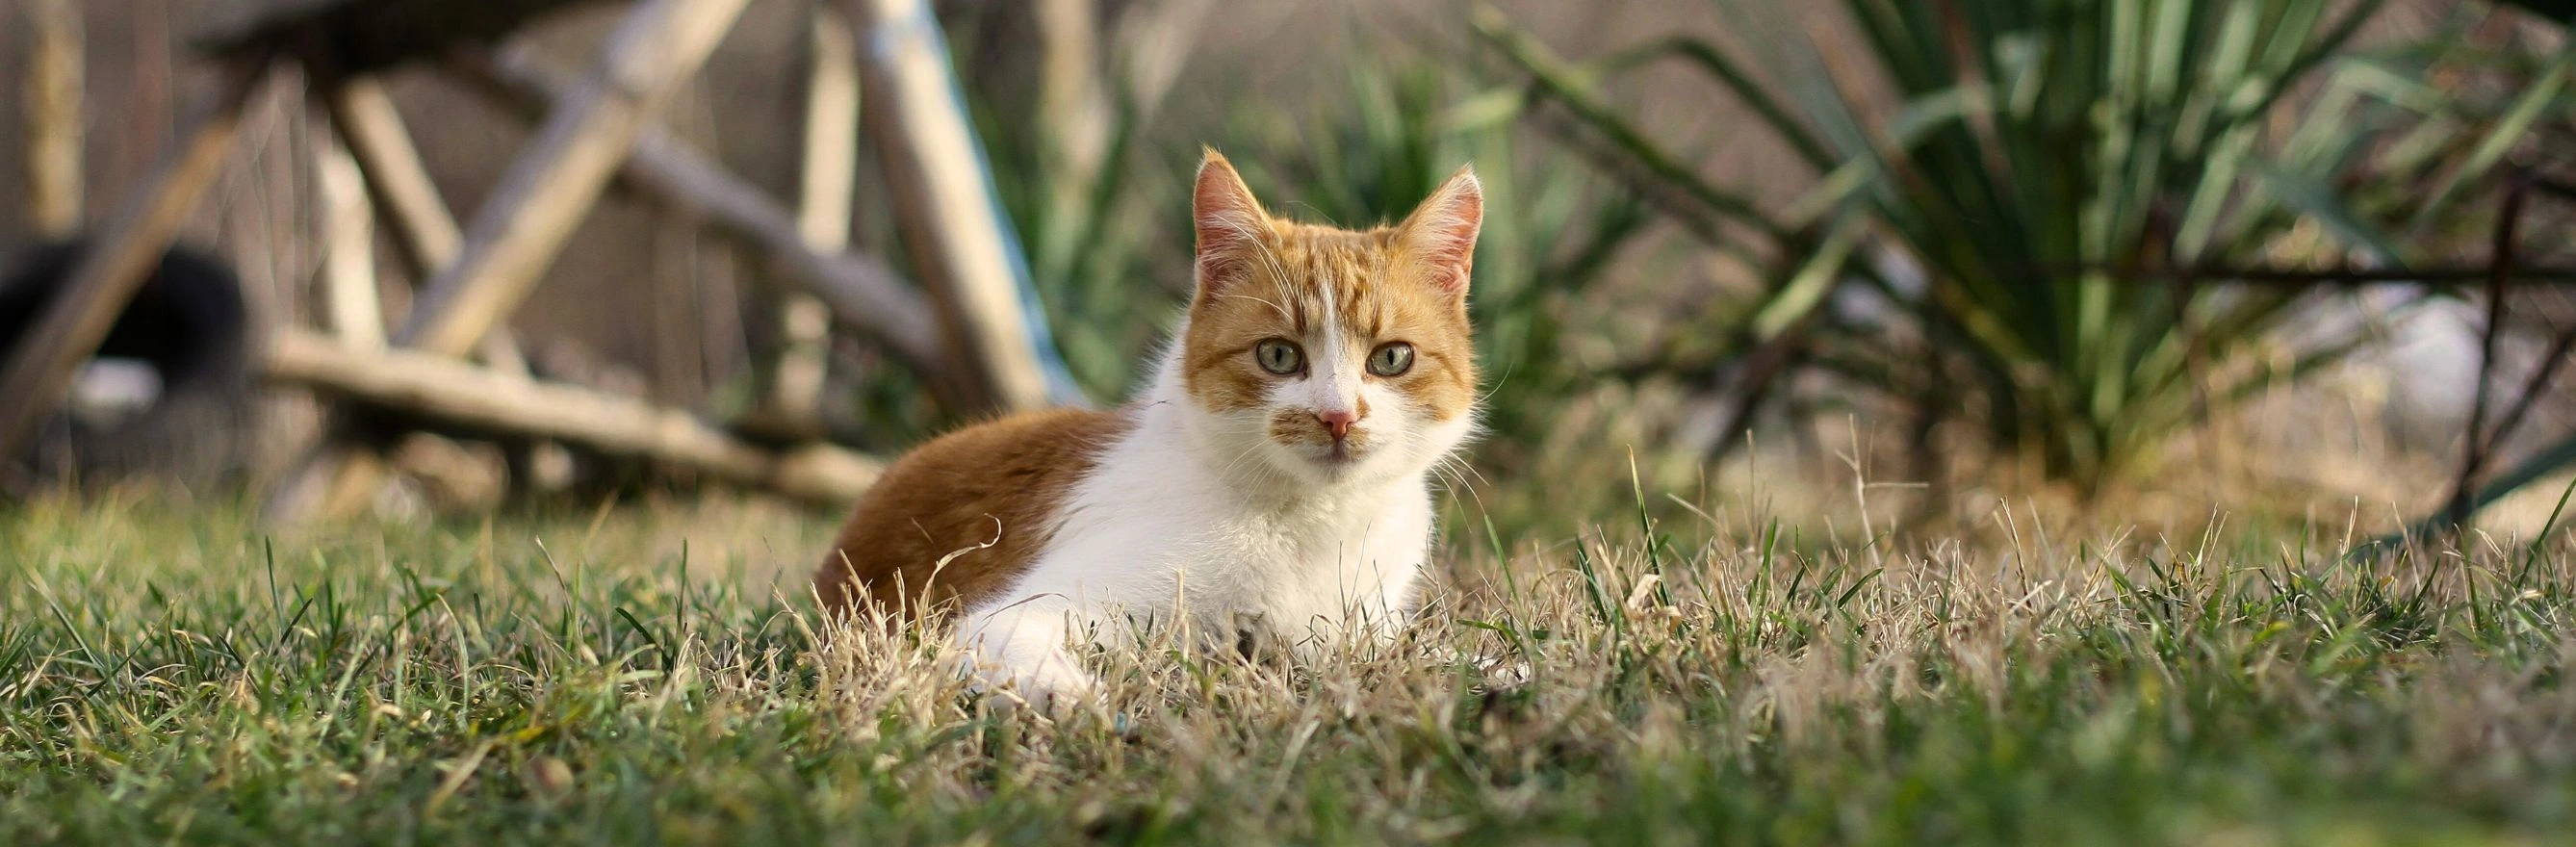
(1279,356)
(1391,359)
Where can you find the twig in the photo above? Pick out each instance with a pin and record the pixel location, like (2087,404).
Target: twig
(1762,370)
(2535,275)
(2532,388)
(2554,188)
(2475,452)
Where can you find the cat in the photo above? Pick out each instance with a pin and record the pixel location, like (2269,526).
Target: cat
(1277,468)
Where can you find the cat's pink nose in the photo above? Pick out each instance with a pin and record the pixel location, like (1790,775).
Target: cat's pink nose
(1338,422)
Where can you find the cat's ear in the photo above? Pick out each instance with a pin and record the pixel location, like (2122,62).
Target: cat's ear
(1229,221)
(1441,233)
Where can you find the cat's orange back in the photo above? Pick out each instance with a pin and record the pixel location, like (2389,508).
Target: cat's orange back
(989,493)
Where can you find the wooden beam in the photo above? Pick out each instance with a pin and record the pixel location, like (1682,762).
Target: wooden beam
(55,117)
(375,164)
(827,191)
(553,183)
(421,225)
(829,173)
(35,377)
(945,200)
(861,291)
(352,308)
(399,184)
(521,227)
(1073,105)
(445,389)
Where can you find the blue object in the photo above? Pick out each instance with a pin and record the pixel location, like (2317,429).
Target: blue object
(1061,388)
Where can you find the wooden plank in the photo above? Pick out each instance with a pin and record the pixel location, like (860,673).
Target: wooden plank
(351,308)
(40,370)
(1073,105)
(521,227)
(945,200)
(374,165)
(55,118)
(418,219)
(827,191)
(862,292)
(554,182)
(445,389)
(399,184)
(829,173)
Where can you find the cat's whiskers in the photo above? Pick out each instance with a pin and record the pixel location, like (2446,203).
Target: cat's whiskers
(1497,387)
(1284,314)
(1460,461)
(1269,260)
(1246,453)
(1450,480)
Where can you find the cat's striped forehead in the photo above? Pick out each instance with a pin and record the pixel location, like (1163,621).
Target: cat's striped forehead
(1338,294)
(1333,279)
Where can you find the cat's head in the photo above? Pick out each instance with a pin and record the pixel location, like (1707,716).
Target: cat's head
(1332,355)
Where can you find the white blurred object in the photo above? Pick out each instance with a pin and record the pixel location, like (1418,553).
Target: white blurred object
(2433,356)
(111,389)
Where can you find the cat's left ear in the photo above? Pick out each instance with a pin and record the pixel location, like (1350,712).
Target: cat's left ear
(1229,222)
(1441,233)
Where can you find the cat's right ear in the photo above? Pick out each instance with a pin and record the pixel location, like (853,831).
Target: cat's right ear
(1229,221)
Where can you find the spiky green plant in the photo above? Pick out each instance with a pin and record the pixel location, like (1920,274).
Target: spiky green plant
(2042,201)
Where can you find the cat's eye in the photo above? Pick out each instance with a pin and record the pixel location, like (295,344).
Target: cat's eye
(1391,359)
(1279,356)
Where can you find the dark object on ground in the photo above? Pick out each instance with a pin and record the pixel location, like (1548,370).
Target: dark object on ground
(360,36)
(170,392)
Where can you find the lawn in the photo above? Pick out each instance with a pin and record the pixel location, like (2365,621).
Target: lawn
(652,674)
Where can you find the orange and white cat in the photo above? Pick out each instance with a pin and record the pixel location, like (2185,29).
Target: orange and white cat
(1277,469)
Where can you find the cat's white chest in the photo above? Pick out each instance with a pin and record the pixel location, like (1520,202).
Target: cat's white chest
(1312,576)
(1171,528)
(1156,535)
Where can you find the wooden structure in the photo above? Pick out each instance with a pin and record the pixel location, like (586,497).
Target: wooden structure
(451,362)
(53,107)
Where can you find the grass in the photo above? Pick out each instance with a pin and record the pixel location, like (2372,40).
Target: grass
(647,675)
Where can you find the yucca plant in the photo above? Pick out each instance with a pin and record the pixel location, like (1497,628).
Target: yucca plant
(2047,202)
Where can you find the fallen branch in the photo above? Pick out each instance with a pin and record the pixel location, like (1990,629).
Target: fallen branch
(461,394)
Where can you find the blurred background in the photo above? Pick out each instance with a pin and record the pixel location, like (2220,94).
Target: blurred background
(2153,260)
